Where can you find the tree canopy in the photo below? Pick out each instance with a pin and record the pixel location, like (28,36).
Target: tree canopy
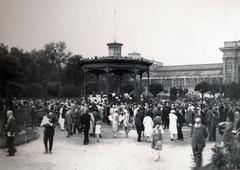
(202,87)
(155,88)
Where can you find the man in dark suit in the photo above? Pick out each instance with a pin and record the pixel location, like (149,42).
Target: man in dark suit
(49,122)
(198,141)
(85,122)
(69,121)
(11,129)
(139,122)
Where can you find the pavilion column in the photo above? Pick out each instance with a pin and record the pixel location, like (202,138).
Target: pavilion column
(97,76)
(140,81)
(120,83)
(107,85)
(185,81)
(148,86)
(84,82)
(135,81)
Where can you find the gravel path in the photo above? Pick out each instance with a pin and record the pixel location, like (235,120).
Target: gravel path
(108,154)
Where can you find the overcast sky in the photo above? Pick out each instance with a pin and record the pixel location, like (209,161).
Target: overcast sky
(171,31)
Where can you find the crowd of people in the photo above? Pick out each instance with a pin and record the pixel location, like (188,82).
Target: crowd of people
(149,119)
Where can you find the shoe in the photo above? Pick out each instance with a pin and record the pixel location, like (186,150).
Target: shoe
(50,152)
(46,152)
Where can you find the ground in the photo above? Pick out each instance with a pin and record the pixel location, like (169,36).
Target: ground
(108,154)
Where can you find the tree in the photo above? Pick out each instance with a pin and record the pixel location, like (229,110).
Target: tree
(34,90)
(57,55)
(70,91)
(91,87)
(232,90)
(202,87)
(72,73)
(155,88)
(53,89)
(15,89)
(128,88)
(165,91)
(214,88)
(12,70)
(185,91)
(173,93)
(222,88)
(180,92)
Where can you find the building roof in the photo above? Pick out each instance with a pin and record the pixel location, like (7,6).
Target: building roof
(204,70)
(214,66)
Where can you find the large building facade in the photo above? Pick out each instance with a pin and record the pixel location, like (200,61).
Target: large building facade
(187,76)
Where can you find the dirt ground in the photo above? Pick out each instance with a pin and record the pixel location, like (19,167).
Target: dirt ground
(108,154)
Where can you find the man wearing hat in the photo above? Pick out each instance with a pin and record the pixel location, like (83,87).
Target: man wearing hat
(48,122)
(11,129)
(85,122)
(139,122)
(199,134)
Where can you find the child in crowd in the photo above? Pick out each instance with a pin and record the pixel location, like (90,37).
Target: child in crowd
(98,130)
(157,140)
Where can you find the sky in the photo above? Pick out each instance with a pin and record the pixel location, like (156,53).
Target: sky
(174,32)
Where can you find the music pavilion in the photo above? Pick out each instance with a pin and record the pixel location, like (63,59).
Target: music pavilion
(185,76)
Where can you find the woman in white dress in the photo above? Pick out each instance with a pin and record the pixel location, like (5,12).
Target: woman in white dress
(173,125)
(148,127)
(126,124)
(61,120)
(115,122)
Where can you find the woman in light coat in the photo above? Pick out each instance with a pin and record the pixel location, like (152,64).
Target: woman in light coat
(173,125)
(115,122)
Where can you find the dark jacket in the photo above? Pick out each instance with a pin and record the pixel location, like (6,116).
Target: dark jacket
(11,126)
(199,135)
(49,129)
(227,134)
(139,119)
(180,120)
(85,120)
(189,116)
(69,117)
(209,115)
(214,121)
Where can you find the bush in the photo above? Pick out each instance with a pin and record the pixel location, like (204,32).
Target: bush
(34,90)
(173,93)
(71,91)
(202,87)
(91,88)
(15,89)
(128,88)
(155,88)
(53,89)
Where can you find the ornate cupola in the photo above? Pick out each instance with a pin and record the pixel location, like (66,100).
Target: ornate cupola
(114,49)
